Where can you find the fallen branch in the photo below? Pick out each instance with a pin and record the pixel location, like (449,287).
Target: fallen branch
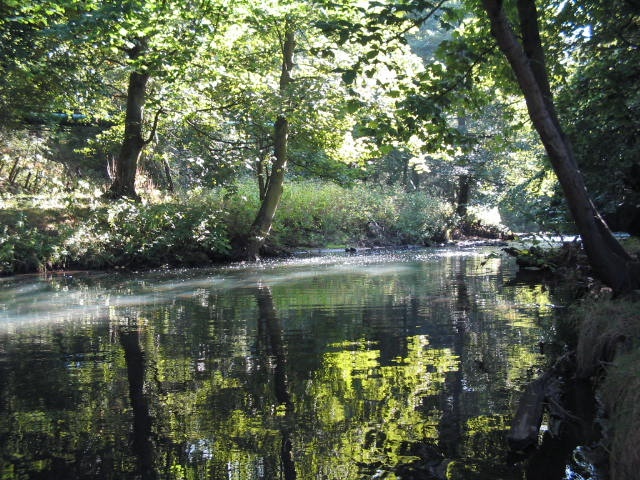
(525,425)
(545,390)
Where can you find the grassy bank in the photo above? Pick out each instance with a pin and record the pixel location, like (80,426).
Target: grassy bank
(609,351)
(81,231)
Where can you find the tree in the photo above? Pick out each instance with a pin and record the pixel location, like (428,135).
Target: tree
(153,32)
(132,42)
(609,260)
(264,219)
(305,114)
(600,105)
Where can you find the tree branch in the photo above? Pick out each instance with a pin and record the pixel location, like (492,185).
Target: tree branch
(239,145)
(418,22)
(154,128)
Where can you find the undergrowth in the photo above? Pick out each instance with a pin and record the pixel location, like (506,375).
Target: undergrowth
(609,349)
(80,230)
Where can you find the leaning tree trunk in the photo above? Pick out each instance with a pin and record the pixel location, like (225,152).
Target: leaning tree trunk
(609,260)
(264,219)
(126,164)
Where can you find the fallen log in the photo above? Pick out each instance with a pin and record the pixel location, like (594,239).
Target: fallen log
(545,390)
(528,418)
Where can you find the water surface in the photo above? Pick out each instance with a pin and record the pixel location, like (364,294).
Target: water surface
(403,365)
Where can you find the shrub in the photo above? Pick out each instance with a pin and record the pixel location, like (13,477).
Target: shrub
(132,234)
(25,248)
(18,250)
(315,213)
(423,218)
(609,337)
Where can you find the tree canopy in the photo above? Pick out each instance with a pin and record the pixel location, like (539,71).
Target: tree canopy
(187,94)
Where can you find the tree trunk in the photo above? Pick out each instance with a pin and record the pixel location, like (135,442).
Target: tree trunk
(462,197)
(167,173)
(608,259)
(14,172)
(462,200)
(126,164)
(525,425)
(264,219)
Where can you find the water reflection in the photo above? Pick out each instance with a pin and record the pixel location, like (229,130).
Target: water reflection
(141,443)
(344,367)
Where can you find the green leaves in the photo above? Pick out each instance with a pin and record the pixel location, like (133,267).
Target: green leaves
(349,76)
(597,100)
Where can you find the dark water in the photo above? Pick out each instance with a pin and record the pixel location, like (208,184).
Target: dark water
(337,367)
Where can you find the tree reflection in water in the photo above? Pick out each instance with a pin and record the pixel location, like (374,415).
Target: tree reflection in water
(347,368)
(270,335)
(142,444)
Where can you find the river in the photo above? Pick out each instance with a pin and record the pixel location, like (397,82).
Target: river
(389,365)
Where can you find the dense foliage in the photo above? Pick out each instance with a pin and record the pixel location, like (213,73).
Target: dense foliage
(601,105)
(410,100)
(80,231)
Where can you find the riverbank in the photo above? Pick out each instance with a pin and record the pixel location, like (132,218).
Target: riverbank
(603,340)
(81,231)
(606,333)
(608,353)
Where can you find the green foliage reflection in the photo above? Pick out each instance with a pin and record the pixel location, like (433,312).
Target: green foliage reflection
(375,407)
(344,369)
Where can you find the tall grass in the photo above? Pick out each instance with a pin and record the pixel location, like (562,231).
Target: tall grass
(621,394)
(314,213)
(609,343)
(81,231)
